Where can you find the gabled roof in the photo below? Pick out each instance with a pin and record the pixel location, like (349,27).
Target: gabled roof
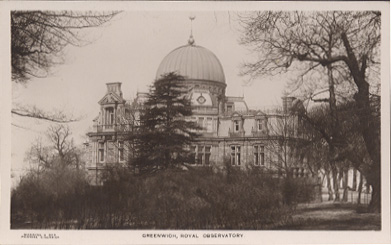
(111,98)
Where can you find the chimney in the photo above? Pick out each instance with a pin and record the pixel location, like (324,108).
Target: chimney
(287,104)
(114,88)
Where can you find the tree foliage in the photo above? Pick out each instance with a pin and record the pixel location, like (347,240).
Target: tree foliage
(164,133)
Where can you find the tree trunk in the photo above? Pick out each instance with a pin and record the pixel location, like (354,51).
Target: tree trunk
(340,178)
(375,204)
(354,185)
(369,124)
(345,185)
(359,189)
(336,184)
(329,188)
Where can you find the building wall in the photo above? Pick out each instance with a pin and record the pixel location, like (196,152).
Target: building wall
(221,141)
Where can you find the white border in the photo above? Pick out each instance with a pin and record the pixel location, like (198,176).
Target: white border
(8,236)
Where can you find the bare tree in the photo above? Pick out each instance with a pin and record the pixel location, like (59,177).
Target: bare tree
(282,143)
(38,40)
(59,152)
(343,43)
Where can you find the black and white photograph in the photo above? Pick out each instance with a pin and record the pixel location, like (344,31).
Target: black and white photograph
(195,123)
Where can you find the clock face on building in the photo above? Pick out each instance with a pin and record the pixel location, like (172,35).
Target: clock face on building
(201,99)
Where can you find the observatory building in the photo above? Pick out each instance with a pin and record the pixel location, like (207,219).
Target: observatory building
(232,133)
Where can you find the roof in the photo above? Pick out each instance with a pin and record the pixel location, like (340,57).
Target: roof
(194,63)
(111,98)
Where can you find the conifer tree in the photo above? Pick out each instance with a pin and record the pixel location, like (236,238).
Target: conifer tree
(165,133)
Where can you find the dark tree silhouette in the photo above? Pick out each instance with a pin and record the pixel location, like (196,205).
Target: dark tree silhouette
(164,133)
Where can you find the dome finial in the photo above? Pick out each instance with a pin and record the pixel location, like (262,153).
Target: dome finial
(191,39)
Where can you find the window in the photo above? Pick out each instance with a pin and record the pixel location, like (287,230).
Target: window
(259,155)
(112,118)
(201,122)
(109,118)
(262,155)
(207,154)
(121,151)
(201,154)
(235,155)
(236,125)
(229,108)
(260,124)
(214,124)
(209,127)
(101,151)
(110,115)
(193,154)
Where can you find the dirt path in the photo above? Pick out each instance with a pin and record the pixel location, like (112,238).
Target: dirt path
(333,216)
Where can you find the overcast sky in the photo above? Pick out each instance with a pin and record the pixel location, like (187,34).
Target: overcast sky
(129,50)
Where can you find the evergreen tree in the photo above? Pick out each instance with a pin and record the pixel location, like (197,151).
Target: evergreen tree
(165,133)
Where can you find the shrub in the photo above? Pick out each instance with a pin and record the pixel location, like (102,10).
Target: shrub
(172,199)
(195,199)
(297,190)
(49,198)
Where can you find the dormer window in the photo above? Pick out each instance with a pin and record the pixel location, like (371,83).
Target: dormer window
(260,124)
(236,125)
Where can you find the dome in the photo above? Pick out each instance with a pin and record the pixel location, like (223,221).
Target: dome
(194,63)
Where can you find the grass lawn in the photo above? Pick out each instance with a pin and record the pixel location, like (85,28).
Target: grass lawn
(333,216)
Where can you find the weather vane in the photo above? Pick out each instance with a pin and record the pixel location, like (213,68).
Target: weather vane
(191,39)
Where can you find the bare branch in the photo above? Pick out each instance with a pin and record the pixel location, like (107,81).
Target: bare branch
(36,113)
